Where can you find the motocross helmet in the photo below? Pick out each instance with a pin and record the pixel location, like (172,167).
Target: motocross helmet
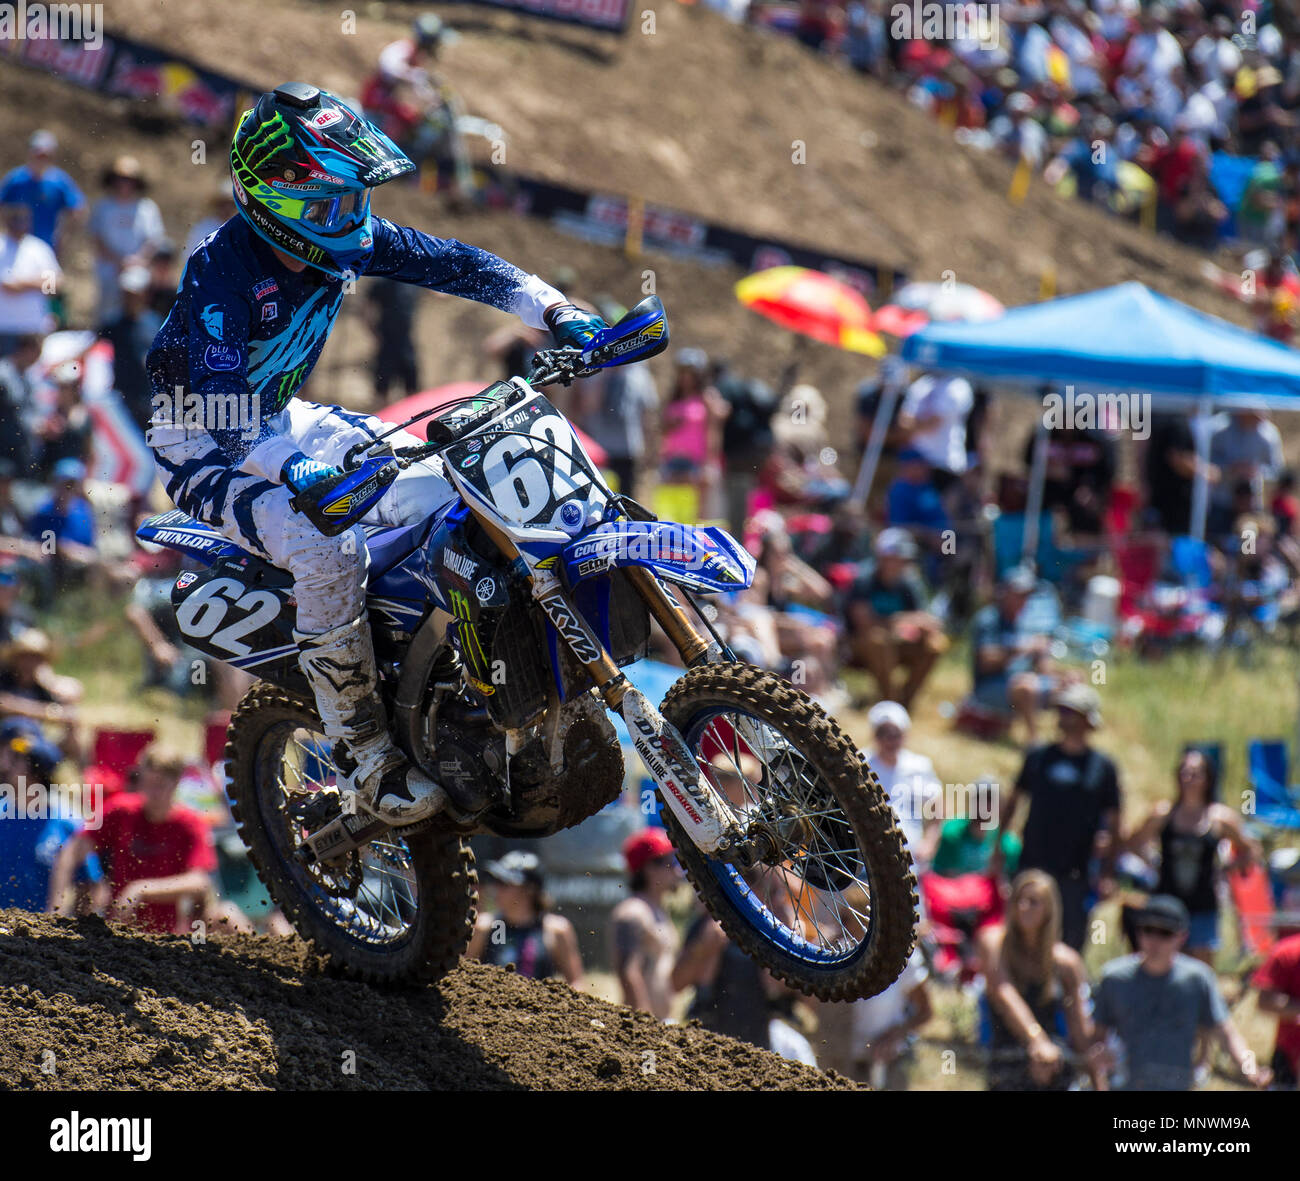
(428,30)
(302,165)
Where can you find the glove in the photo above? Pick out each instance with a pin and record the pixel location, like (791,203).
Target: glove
(571,326)
(300,472)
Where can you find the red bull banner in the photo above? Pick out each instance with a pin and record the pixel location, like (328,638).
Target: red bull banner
(122,68)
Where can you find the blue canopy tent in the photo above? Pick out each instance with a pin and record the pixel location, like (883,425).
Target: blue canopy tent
(1120,340)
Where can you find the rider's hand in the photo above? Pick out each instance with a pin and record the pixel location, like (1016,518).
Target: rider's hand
(571,326)
(300,472)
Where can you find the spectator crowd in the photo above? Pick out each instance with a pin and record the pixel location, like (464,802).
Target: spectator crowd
(856,603)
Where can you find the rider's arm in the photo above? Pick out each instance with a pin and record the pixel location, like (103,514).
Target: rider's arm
(456,268)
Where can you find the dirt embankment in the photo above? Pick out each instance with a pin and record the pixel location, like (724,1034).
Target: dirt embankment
(84,1005)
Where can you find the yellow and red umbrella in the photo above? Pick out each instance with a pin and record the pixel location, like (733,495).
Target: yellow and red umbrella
(813,304)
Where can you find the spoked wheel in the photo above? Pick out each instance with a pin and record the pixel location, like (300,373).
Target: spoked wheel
(829,906)
(401,908)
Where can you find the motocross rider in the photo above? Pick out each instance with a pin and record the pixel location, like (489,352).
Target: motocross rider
(405,88)
(233,443)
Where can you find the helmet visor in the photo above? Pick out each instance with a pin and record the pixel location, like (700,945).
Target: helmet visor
(345,211)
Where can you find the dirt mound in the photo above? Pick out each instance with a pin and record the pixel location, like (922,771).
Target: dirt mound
(89,1006)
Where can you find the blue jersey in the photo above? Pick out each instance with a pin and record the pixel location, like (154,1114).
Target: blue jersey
(245,332)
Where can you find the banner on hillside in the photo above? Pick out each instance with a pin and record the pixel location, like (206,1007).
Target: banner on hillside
(611,16)
(121,68)
(618,221)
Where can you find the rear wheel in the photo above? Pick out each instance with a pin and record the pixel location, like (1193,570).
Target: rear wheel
(400,909)
(831,907)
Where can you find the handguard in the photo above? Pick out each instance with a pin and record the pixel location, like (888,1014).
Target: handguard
(339,502)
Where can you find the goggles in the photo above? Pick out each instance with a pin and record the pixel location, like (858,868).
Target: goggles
(343,212)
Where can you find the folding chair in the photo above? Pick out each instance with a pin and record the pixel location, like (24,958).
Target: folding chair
(1189,559)
(120,750)
(1268,771)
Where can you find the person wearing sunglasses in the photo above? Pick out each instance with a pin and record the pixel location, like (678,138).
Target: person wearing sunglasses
(1155,1002)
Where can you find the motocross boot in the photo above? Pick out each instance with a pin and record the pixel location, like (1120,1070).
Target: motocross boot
(340,668)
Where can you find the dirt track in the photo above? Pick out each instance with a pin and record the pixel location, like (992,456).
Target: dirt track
(124,1011)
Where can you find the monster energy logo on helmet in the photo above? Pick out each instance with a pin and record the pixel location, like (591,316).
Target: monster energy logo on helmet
(268,139)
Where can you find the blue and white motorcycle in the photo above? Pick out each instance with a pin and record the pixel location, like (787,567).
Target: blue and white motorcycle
(501,626)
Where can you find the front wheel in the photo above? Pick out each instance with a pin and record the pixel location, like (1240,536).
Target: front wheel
(831,907)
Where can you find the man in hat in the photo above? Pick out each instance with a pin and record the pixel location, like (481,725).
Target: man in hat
(32,690)
(1074,803)
(889,622)
(35,822)
(908,779)
(126,225)
(1156,1002)
(47,191)
(643,938)
(521,930)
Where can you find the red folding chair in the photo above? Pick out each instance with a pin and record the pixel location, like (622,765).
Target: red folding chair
(1138,564)
(120,750)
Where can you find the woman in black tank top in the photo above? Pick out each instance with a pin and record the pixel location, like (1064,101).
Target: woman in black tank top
(1188,832)
(523,931)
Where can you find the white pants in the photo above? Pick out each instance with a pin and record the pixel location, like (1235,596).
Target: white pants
(329,573)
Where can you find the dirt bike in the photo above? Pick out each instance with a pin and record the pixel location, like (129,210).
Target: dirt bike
(502,624)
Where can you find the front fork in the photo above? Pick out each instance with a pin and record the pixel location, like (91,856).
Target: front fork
(704,814)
